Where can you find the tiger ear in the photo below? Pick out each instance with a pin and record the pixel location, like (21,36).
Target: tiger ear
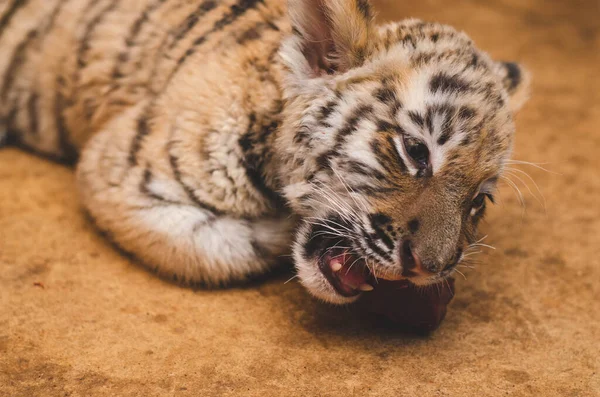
(516,80)
(334,35)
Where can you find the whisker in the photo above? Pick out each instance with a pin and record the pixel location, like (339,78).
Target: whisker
(329,230)
(352,209)
(449,289)
(536,165)
(325,222)
(350,267)
(293,277)
(516,188)
(461,273)
(334,207)
(532,181)
(328,249)
(370,268)
(510,172)
(466,266)
(483,245)
(481,239)
(349,190)
(326,234)
(336,199)
(331,200)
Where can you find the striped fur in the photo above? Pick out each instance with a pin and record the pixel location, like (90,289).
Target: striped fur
(208,132)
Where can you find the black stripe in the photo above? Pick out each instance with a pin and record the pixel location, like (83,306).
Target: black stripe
(475,61)
(359,113)
(144,189)
(133,34)
(513,75)
(33,101)
(191,21)
(408,39)
(377,220)
(255,32)
(302,135)
(375,248)
(416,118)
(12,10)
(326,110)
(396,155)
(445,83)
(324,160)
(382,236)
(384,126)
(13,135)
(374,190)
(16,62)
(357,167)
(466,113)
(32,106)
(84,45)
(296,32)
(447,112)
(365,8)
(255,157)
(444,137)
(143,129)
(146,180)
(386,94)
(429,120)
(52,18)
(14,138)
(68,150)
(423,59)
(188,190)
(234,13)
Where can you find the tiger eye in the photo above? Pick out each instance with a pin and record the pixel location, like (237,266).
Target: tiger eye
(479,200)
(417,151)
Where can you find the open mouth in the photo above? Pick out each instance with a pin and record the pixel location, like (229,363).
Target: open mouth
(346,272)
(349,274)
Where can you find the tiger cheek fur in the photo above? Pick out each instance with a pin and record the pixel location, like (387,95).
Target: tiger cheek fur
(243,130)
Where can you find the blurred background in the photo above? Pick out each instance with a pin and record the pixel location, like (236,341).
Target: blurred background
(77,319)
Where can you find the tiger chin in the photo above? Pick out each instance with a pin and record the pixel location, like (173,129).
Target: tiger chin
(241,131)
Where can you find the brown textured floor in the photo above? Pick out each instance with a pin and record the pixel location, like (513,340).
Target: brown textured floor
(526,322)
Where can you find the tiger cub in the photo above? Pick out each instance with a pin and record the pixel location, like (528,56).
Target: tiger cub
(213,137)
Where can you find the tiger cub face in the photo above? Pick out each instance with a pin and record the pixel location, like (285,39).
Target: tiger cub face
(393,140)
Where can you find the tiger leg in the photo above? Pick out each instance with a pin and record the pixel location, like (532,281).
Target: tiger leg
(145,211)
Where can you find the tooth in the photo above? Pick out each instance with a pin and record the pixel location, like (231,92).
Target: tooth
(336,266)
(366,287)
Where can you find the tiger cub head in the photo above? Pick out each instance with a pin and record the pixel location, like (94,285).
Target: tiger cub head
(392,143)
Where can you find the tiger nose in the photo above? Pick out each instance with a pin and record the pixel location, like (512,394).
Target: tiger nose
(412,265)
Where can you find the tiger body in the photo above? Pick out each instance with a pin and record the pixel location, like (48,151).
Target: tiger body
(212,137)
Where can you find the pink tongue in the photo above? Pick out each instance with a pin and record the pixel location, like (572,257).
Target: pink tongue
(353,276)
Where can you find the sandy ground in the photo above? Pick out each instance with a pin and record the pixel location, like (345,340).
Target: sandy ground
(79,319)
